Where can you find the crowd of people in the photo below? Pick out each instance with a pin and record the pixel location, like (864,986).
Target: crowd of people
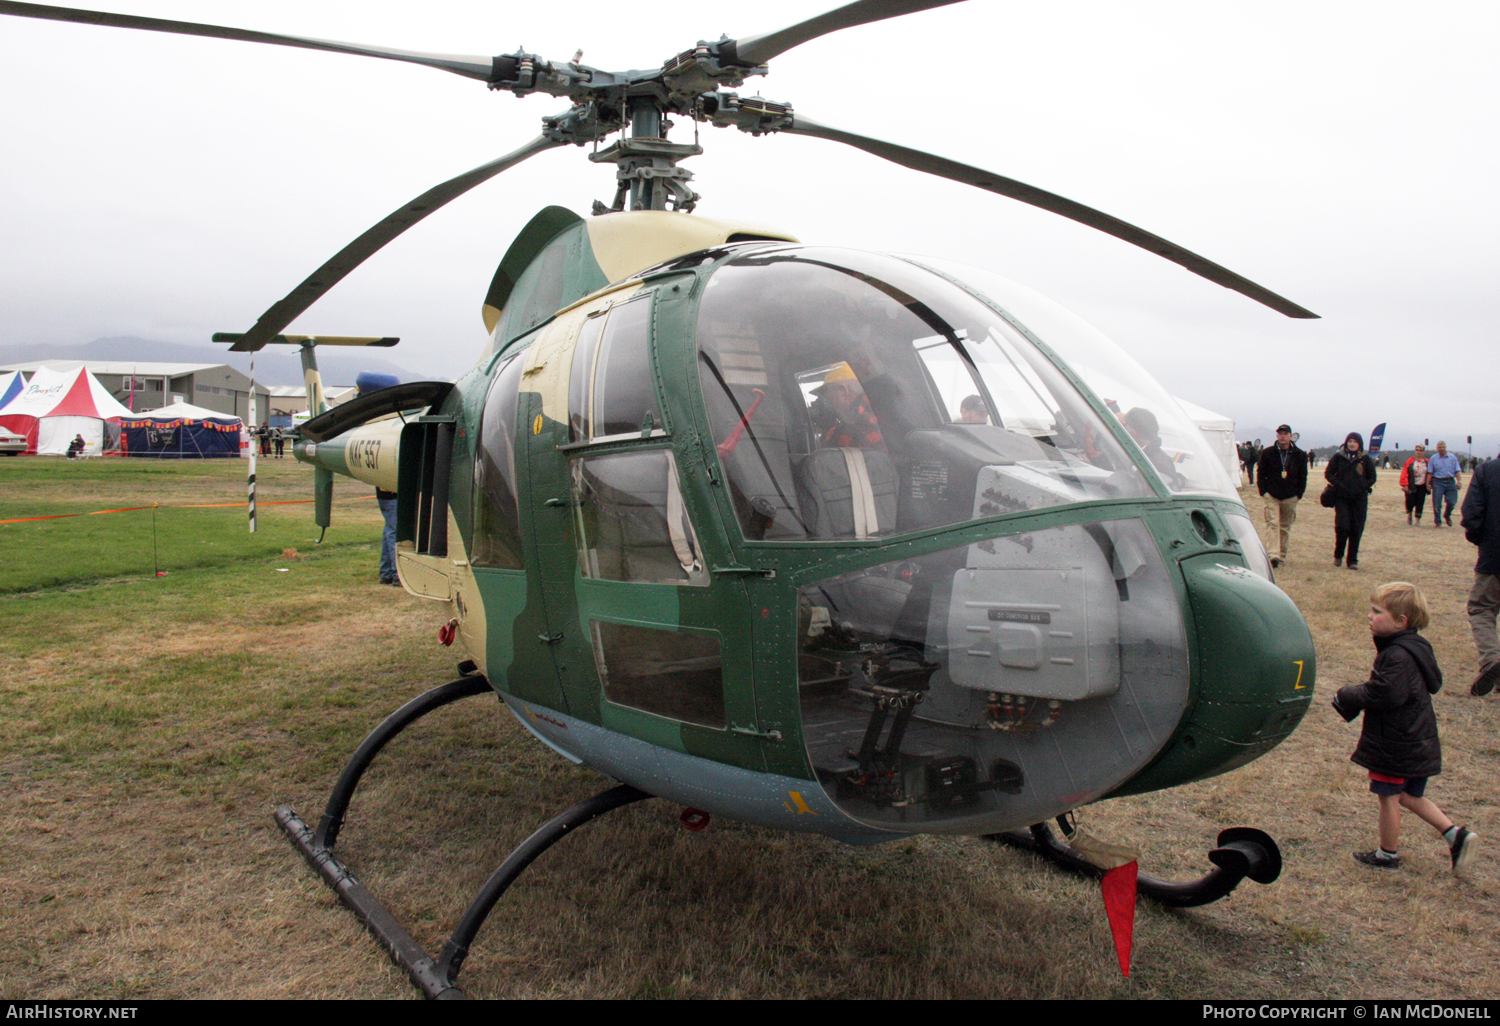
(1399,744)
(1280,474)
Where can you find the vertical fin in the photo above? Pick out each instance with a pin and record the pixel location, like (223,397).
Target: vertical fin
(322,477)
(312,379)
(322,497)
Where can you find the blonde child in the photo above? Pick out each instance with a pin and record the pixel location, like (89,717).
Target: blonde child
(1398,742)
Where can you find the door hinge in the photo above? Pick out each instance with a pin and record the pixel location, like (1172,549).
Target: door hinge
(769,735)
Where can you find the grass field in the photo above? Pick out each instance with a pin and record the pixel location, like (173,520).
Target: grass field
(148,726)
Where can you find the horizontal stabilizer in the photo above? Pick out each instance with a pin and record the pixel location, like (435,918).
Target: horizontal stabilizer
(317,340)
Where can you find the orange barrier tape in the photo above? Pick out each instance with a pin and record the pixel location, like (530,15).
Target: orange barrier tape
(211,505)
(60,516)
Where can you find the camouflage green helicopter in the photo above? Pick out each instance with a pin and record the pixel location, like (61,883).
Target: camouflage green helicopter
(823,540)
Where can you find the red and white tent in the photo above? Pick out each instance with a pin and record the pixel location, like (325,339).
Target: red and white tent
(57,405)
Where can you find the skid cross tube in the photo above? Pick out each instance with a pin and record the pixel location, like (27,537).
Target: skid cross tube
(1241,852)
(395,723)
(434,977)
(554,830)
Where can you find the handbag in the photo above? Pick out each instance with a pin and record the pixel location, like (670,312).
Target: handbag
(1326,499)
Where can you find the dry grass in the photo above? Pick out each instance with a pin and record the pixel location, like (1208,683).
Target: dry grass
(1343,921)
(146,741)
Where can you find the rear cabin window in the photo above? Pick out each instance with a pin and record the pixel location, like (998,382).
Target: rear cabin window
(674,673)
(632,524)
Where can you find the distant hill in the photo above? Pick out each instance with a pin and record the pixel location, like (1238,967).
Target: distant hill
(274,365)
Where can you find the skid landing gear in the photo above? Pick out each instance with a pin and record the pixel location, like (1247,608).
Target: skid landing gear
(436,977)
(1242,852)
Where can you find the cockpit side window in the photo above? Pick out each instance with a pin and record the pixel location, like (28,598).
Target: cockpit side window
(581,380)
(612,391)
(497,527)
(754,435)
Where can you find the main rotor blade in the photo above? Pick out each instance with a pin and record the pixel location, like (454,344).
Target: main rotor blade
(361,249)
(478,67)
(761,48)
(979,178)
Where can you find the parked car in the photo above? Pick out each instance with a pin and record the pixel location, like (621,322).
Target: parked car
(11,444)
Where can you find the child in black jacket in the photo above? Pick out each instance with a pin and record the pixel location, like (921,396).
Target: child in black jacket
(1399,740)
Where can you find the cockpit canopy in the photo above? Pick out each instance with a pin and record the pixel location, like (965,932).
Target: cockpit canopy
(860,395)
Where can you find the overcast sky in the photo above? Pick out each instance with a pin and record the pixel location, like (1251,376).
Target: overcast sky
(1344,155)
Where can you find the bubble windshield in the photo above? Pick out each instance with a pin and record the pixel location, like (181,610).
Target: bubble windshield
(857,396)
(1008,679)
(1181,454)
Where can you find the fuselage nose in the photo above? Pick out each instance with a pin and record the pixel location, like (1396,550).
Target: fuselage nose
(1253,667)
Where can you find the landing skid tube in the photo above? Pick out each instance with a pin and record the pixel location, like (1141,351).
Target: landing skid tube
(435,977)
(1241,852)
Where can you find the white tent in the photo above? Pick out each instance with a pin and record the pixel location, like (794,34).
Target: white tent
(58,405)
(180,409)
(1219,430)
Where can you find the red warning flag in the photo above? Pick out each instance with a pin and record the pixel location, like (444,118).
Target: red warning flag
(1119,863)
(1118,886)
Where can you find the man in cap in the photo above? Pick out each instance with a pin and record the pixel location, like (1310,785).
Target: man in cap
(973,410)
(1283,478)
(847,409)
(1144,428)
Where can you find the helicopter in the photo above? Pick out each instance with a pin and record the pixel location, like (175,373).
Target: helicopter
(848,543)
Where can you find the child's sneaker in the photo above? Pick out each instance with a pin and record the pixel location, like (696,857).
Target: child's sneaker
(1375,858)
(1463,847)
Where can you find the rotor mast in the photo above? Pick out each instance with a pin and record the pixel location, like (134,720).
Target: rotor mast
(646,163)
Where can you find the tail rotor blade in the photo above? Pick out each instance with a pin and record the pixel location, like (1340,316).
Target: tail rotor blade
(942,167)
(367,245)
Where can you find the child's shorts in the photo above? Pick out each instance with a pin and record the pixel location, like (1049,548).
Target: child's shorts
(1385,784)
